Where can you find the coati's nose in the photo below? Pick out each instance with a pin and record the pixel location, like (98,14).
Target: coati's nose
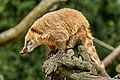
(23,51)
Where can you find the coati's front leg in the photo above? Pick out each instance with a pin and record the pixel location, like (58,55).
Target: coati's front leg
(61,47)
(60,50)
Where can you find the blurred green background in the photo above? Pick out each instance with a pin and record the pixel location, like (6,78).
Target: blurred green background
(103,16)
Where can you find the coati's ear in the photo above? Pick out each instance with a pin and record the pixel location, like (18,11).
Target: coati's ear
(44,36)
(40,33)
(37,31)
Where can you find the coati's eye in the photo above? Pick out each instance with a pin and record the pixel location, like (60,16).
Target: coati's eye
(29,42)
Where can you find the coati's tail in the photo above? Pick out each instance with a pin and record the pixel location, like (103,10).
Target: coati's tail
(87,40)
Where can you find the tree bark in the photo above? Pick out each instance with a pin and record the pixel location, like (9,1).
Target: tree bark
(14,32)
(70,67)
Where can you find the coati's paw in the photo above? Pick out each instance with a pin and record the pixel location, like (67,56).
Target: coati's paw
(51,54)
(50,65)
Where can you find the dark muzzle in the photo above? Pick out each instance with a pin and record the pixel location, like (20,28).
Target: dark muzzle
(23,51)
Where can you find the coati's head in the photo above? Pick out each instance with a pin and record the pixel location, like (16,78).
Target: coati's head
(35,36)
(31,41)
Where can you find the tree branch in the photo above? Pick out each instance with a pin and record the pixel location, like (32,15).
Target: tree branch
(70,75)
(103,44)
(1,77)
(74,68)
(14,32)
(112,56)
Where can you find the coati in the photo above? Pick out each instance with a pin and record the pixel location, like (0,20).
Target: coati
(61,30)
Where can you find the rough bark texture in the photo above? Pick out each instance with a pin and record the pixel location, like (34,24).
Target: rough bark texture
(14,32)
(70,67)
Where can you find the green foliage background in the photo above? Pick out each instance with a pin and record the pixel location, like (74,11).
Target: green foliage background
(104,18)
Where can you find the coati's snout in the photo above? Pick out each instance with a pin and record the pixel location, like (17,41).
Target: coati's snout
(23,51)
(28,46)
